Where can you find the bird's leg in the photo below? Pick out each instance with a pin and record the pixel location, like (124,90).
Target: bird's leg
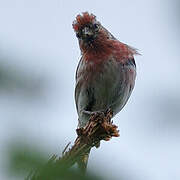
(97,113)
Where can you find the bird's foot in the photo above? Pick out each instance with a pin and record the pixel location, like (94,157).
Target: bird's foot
(92,112)
(98,113)
(94,115)
(108,114)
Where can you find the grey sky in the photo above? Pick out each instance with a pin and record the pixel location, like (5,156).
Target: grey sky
(36,37)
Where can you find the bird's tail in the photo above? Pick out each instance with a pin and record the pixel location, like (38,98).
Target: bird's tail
(83,161)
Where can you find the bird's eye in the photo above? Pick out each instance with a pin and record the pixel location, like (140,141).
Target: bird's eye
(78,35)
(96,26)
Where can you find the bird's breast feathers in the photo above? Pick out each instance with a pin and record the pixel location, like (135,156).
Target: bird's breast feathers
(109,84)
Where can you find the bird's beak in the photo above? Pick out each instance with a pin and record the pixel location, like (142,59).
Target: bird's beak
(87,32)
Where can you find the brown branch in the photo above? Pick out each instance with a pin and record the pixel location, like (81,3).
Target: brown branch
(100,127)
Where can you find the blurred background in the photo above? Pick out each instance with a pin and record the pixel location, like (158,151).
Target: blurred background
(38,57)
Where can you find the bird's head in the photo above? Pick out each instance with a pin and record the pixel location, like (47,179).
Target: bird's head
(86,27)
(96,42)
(94,39)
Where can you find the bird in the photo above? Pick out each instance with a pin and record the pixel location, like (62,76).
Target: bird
(105,75)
